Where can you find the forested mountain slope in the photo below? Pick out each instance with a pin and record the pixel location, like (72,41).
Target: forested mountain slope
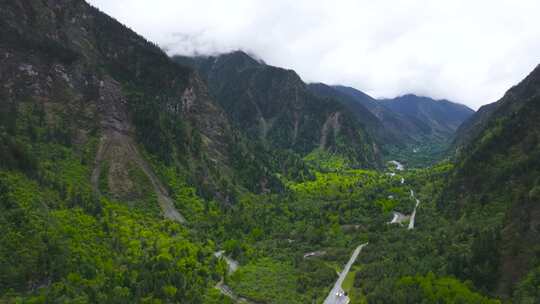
(80,74)
(404,130)
(414,129)
(90,113)
(381,133)
(435,121)
(513,100)
(102,136)
(440,117)
(497,179)
(274,105)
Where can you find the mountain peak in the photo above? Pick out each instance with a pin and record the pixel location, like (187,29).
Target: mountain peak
(413,98)
(245,55)
(441,116)
(239,57)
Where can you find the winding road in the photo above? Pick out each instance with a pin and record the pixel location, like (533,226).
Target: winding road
(337,294)
(398,218)
(413,215)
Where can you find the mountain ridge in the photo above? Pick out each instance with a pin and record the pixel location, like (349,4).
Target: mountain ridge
(409,123)
(403,132)
(274,105)
(497,171)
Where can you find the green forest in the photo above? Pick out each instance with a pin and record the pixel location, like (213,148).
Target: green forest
(128,176)
(63,243)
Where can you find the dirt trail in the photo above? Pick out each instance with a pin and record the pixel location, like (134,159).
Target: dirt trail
(398,217)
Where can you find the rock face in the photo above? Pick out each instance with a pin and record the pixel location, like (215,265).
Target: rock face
(498,164)
(275,106)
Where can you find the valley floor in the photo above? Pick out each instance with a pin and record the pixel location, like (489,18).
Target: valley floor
(60,241)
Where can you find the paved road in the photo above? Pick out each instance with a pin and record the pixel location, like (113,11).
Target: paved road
(337,295)
(398,217)
(413,215)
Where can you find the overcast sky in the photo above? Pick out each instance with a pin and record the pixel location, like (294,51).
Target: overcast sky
(466,51)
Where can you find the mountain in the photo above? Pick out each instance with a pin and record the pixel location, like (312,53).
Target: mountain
(114,159)
(367,101)
(90,76)
(121,175)
(372,123)
(441,118)
(104,142)
(433,122)
(414,129)
(81,69)
(496,178)
(392,129)
(275,106)
(272,104)
(511,102)
(471,127)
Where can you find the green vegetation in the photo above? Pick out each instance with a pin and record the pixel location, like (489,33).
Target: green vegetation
(61,242)
(419,155)
(430,289)
(60,245)
(76,247)
(275,106)
(267,279)
(93,132)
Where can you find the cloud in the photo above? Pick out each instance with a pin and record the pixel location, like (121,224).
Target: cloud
(466,51)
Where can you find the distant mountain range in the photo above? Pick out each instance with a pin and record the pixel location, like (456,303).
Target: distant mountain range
(439,117)
(275,105)
(404,125)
